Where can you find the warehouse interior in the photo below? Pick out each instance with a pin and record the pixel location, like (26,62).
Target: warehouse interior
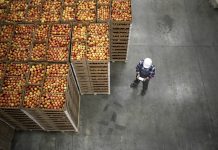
(180,109)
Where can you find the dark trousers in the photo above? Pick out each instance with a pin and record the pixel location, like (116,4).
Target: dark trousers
(145,83)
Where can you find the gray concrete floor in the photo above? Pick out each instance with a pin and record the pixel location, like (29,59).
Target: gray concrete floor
(180,109)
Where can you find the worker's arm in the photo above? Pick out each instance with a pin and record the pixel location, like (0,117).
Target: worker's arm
(138,67)
(152,72)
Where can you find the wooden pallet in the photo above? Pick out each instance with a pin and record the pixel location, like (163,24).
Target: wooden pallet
(6,136)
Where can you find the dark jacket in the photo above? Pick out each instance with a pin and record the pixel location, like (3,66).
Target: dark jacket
(145,72)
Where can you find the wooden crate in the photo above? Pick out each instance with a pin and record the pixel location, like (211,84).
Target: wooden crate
(66,119)
(99,72)
(80,69)
(6,135)
(18,119)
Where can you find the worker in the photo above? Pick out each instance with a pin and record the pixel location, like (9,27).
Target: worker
(145,70)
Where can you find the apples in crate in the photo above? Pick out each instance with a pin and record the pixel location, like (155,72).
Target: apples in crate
(57,70)
(41,32)
(52,101)
(60,29)
(16,16)
(59,41)
(57,54)
(2,69)
(78,50)
(4,48)
(104,2)
(18,5)
(98,40)
(37,72)
(98,29)
(98,53)
(55,84)
(13,84)
(70,2)
(86,15)
(69,13)
(6,32)
(18,54)
(121,15)
(51,5)
(104,13)
(35,2)
(10,99)
(18,70)
(121,5)
(32,96)
(86,4)
(79,33)
(24,28)
(48,16)
(39,51)
(33,14)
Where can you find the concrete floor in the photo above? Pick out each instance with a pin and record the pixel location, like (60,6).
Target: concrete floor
(180,109)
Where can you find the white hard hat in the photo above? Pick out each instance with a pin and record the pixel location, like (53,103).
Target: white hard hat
(147,63)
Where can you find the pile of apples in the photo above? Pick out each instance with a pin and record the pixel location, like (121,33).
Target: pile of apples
(33,14)
(51,11)
(55,84)
(39,51)
(15,15)
(59,41)
(104,2)
(35,2)
(13,84)
(57,70)
(2,69)
(4,47)
(86,10)
(121,10)
(79,42)
(10,99)
(41,32)
(68,13)
(104,13)
(37,73)
(69,2)
(18,5)
(98,42)
(52,101)
(57,54)
(60,29)
(6,32)
(32,96)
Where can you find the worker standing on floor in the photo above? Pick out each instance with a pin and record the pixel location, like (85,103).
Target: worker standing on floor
(145,70)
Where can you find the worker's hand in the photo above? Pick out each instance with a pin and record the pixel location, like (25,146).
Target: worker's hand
(137,74)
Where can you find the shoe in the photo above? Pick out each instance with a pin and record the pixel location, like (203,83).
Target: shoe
(133,85)
(143,92)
